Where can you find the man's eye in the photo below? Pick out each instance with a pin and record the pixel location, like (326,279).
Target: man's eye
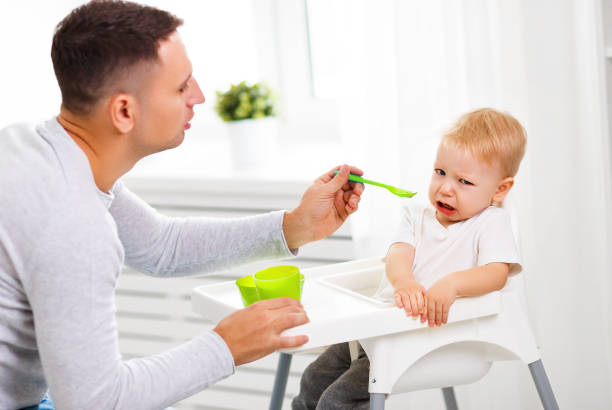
(465,182)
(440,172)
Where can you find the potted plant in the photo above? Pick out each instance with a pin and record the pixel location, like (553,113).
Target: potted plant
(249,112)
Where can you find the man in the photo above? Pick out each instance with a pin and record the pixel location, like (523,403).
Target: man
(67,225)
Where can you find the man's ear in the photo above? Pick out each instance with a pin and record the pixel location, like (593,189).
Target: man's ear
(502,189)
(122,110)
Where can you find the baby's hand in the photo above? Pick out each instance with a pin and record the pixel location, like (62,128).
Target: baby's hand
(410,296)
(439,298)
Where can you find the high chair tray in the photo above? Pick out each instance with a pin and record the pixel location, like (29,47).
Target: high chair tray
(337,300)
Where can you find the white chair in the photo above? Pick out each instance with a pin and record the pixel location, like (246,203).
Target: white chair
(460,352)
(457,353)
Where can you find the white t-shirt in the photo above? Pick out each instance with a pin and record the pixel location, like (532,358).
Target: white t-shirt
(484,238)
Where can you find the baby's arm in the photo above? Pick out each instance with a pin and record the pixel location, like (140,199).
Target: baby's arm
(480,280)
(408,293)
(475,281)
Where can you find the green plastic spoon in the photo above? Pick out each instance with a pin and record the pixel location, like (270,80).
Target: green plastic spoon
(399,192)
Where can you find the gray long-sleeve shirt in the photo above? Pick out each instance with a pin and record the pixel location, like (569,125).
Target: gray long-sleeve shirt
(62,246)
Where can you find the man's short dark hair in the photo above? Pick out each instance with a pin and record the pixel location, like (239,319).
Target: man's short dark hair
(99,41)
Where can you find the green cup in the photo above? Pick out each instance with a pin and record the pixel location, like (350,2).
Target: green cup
(279,281)
(301,285)
(248,292)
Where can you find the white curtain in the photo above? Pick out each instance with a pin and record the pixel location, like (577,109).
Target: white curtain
(409,69)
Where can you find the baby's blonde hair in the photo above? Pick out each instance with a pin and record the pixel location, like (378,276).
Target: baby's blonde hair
(492,136)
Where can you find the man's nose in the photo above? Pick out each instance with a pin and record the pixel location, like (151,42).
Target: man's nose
(197,96)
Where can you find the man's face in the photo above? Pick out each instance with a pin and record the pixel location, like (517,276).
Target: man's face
(461,185)
(166,102)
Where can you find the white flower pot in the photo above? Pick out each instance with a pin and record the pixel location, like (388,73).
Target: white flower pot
(252,141)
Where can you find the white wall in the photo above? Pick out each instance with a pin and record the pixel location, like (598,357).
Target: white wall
(567,243)
(27,81)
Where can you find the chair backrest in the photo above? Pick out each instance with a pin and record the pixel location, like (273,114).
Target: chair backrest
(515,282)
(509,205)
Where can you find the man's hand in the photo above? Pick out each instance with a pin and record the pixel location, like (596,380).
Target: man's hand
(324,207)
(254,332)
(439,298)
(410,296)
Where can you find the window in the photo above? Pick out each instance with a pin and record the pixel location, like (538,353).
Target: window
(262,40)
(309,110)
(227,40)
(322,47)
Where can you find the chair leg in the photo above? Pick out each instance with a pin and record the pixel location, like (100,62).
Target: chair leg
(280,381)
(543,385)
(377,401)
(449,398)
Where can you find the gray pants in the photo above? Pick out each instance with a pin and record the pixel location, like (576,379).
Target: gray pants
(332,381)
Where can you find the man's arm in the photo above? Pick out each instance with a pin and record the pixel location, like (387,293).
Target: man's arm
(324,207)
(164,246)
(70,279)
(72,270)
(254,332)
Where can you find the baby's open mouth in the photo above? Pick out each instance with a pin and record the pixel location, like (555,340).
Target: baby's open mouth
(446,208)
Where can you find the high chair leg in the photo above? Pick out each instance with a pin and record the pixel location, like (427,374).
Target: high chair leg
(449,398)
(543,385)
(377,401)
(280,381)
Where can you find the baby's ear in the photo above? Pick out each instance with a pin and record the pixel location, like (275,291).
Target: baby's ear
(503,188)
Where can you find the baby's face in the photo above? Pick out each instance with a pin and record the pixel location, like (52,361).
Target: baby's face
(461,185)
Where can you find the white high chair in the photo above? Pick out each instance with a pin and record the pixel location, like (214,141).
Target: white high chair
(460,352)
(479,331)
(405,355)
(456,353)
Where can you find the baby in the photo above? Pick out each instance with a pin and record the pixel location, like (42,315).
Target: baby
(458,244)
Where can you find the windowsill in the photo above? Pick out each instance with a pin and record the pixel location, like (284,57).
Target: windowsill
(210,159)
